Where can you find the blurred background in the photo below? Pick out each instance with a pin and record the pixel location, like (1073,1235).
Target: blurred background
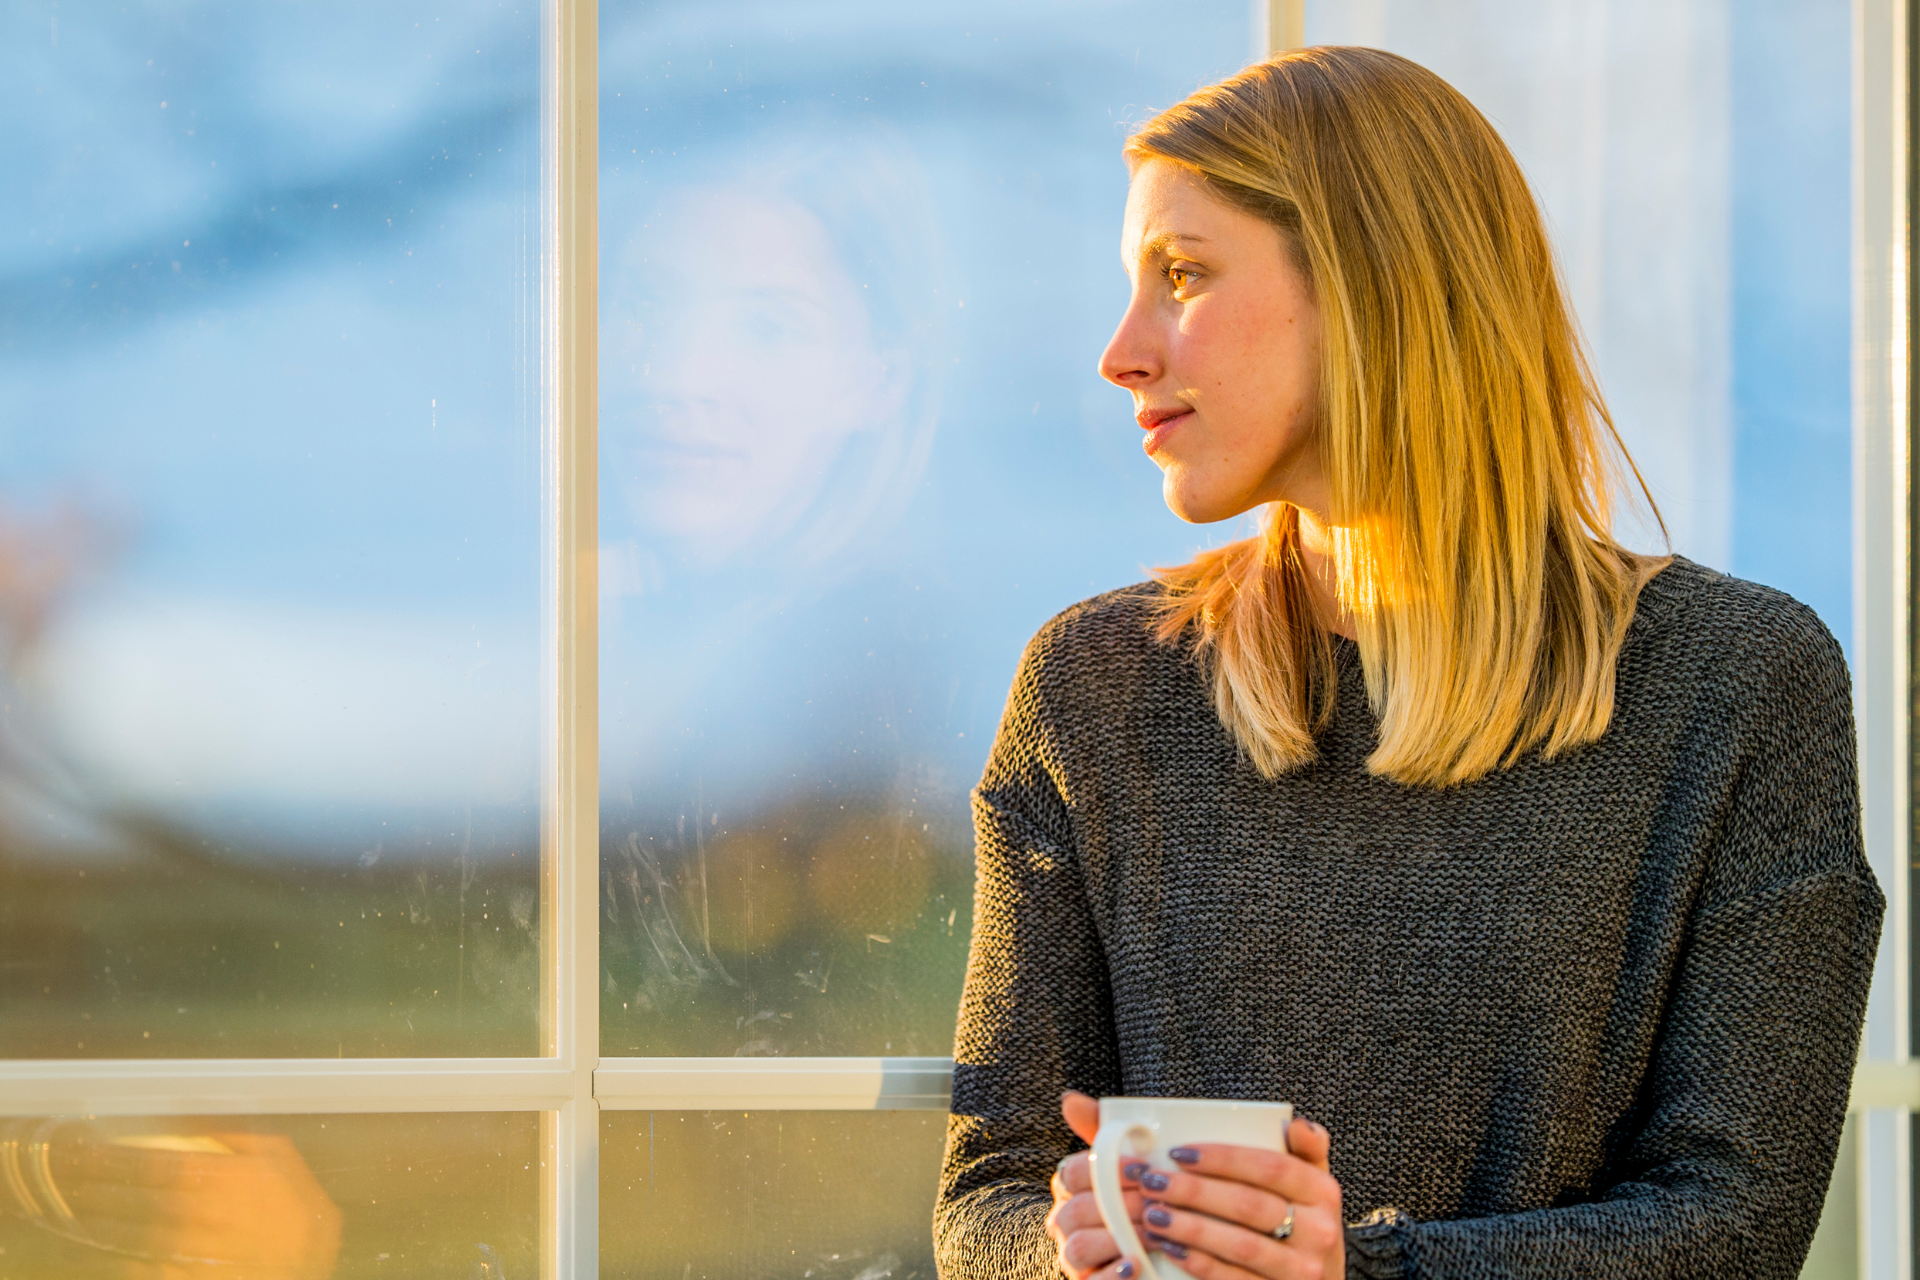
(269,503)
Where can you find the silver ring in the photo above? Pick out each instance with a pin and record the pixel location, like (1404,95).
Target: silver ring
(1285,1228)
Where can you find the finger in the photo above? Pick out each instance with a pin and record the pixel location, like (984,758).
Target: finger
(1284,1174)
(1080,1212)
(1088,1250)
(1311,1142)
(1120,1269)
(1253,1207)
(1204,1266)
(1082,1114)
(1075,1174)
(1252,1248)
(1221,1248)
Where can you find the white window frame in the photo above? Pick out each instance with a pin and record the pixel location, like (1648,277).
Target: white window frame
(569,1084)
(1886,1087)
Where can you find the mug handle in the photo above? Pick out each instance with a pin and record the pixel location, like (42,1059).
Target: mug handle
(1112,1145)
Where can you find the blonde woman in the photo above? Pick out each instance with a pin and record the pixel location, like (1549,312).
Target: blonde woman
(1529,869)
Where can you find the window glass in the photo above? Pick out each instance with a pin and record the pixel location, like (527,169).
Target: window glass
(858,262)
(828,1195)
(291,1197)
(1693,161)
(269,528)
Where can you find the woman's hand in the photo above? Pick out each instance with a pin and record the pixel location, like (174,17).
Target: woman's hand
(1214,1212)
(1087,1248)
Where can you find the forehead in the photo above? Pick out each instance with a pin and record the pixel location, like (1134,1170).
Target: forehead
(1167,203)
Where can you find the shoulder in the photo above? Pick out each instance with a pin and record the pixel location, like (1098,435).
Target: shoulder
(1113,624)
(1693,623)
(1100,659)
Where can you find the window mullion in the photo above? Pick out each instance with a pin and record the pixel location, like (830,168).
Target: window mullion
(1880,654)
(570,937)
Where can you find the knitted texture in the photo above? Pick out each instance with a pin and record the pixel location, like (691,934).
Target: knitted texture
(1589,1016)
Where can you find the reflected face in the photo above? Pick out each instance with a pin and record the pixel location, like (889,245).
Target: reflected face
(740,362)
(1220,346)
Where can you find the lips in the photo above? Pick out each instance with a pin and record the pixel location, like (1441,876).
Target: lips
(1161,423)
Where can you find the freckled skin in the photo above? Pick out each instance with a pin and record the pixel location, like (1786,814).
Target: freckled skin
(1222,324)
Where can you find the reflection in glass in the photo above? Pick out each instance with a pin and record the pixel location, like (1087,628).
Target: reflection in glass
(272,1198)
(854,452)
(777,1195)
(268,530)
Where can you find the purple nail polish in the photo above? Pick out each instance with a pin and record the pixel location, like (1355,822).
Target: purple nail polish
(1185,1155)
(1133,1170)
(1126,1269)
(1158,1217)
(1154,1181)
(1173,1250)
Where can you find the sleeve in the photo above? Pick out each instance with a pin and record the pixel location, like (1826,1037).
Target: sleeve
(1732,1143)
(1035,1013)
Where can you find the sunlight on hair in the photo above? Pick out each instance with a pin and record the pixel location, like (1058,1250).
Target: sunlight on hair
(1471,457)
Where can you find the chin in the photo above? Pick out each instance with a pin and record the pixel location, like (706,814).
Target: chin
(1198,508)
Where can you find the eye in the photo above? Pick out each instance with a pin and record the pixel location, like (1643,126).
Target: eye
(1180,274)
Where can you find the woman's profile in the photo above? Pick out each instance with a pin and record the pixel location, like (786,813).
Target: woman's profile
(1528,868)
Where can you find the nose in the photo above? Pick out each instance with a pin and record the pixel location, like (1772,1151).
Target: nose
(1133,358)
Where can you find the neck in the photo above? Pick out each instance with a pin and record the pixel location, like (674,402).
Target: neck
(1316,553)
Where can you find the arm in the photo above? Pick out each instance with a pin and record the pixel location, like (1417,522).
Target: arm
(1727,1170)
(1726,1164)
(1722,1165)
(1035,1014)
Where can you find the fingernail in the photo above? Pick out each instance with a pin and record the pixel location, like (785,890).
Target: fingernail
(1125,1270)
(1158,1217)
(1134,1170)
(1185,1155)
(1154,1181)
(1175,1250)
(1316,1126)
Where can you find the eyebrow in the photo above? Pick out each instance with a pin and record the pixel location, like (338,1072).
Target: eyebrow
(1166,240)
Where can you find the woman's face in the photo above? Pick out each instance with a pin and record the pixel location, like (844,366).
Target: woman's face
(740,360)
(1220,346)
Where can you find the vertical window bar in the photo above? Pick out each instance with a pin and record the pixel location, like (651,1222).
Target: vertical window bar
(570,832)
(1880,610)
(1278,25)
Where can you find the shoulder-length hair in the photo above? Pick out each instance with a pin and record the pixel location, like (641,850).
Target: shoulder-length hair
(1470,457)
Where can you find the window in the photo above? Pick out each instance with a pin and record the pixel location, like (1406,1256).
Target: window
(516,522)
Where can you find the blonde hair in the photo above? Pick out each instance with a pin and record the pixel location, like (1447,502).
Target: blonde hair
(1469,456)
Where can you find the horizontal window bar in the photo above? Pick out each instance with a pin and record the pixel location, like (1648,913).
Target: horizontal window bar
(253,1086)
(289,1086)
(1885,1084)
(283,1086)
(774,1084)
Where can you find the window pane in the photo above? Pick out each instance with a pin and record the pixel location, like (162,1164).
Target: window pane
(827,1195)
(858,262)
(1693,163)
(269,529)
(299,1197)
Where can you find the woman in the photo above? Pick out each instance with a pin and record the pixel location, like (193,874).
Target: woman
(1529,868)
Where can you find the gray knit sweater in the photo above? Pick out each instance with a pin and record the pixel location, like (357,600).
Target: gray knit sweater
(1594,1016)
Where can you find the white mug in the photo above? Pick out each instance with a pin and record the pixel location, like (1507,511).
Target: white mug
(1146,1129)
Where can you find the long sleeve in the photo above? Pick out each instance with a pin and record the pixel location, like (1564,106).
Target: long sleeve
(1035,1013)
(1732,1143)
(1591,1015)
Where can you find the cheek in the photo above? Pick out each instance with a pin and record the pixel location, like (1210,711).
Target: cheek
(1249,362)
(1220,349)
